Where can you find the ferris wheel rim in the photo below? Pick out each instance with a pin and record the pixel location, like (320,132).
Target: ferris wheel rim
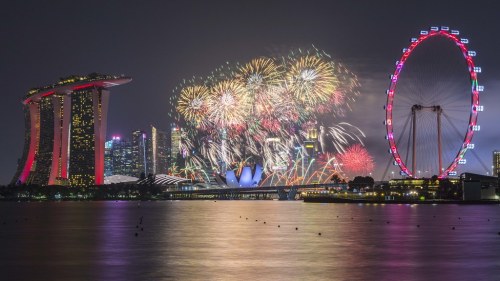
(452,35)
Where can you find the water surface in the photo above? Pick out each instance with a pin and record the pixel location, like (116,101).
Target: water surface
(228,240)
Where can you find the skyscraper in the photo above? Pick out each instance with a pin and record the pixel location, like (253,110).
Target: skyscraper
(108,158)
(139,153)
(159,147)
(118,157)
(175,145)
(65,131)
(496,163)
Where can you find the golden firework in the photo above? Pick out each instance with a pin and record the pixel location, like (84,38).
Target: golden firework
(192,103)
(311,79)
(228,104)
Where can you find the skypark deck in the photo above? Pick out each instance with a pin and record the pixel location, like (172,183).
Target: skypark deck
(74,83)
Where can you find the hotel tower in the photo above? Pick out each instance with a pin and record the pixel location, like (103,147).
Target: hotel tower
(65,131)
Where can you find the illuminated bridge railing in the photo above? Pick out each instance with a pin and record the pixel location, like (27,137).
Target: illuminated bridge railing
(266,192)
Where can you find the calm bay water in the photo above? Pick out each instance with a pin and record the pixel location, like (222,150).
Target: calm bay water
(207,240)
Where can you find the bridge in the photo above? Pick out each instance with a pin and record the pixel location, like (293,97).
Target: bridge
(257,193)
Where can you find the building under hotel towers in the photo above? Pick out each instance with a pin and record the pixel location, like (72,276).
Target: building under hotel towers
(65,131)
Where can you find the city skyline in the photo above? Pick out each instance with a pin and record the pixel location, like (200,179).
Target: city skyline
(160,52)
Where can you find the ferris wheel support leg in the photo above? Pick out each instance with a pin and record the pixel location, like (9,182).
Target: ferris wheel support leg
(439,111)
(414,143)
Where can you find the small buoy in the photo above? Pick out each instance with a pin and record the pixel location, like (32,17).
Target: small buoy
(264,222)
(240,217)
(246,218)
(433,216)
(459,218)
(370,220)
(137,226)
(499,233)
(337,216)
(256,220)
(453,228)
(387,222)
(296,228)
(488,219)
(418,225)
(136,234)
(352,218)
(319,233)
(279,225)
(215,200)
(142,228)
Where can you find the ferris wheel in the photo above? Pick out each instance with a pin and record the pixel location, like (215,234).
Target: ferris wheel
(432,104)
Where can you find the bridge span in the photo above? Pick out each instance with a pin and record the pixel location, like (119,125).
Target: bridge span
(247,193)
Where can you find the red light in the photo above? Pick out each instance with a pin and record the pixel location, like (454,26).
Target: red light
(82,86)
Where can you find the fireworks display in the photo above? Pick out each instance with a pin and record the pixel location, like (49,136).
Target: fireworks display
(282,113)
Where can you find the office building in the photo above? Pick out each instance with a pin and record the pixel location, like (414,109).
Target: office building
(118,157)
(159,151)
(139,153)
(175,146)
(496,163)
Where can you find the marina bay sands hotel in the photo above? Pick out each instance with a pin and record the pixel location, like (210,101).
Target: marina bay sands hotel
(65,131)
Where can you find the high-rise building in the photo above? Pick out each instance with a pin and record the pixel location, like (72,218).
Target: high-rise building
(159,147)
(65,131)
(139,153)
(496,163)
(175,145)
(108,157)
(118,157)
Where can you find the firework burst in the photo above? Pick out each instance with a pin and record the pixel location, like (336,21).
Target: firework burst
(228,104)
(259,74)
(192,104)
(356,160)
(312,80)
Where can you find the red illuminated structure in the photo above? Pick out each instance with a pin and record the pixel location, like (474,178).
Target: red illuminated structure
(66,130)
(461,43)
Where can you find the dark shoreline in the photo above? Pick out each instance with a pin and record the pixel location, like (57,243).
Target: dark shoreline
(371,201)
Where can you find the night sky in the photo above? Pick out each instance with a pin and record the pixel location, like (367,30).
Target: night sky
(158,43)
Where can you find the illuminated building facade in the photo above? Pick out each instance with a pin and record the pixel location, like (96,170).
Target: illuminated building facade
(108,158)
(65,131)
(175,145)
(140,153)
(496,163)
(118,157)
(159,151)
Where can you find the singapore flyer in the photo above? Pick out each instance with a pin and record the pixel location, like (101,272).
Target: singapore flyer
(432,104)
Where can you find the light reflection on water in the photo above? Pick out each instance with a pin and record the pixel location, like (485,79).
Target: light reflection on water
(207,240)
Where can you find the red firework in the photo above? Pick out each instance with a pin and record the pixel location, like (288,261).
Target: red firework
(356,160)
